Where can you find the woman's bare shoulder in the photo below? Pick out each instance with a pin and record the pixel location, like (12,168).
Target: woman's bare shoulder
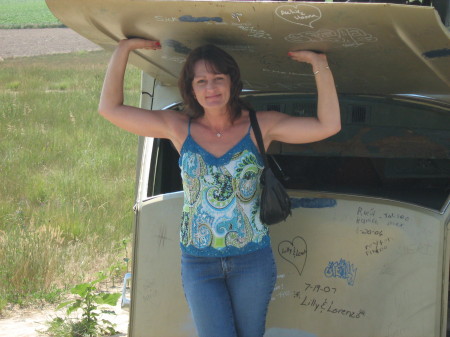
(174,117)
(177,122)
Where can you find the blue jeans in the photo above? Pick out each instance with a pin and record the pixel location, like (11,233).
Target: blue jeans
(229,297)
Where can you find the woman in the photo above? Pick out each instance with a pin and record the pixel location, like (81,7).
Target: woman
(228,270)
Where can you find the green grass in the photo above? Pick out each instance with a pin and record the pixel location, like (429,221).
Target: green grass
(67,175)
(26,14)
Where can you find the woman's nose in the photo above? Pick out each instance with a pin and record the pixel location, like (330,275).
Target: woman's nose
(210,85)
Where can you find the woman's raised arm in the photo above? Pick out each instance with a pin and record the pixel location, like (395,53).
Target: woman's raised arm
(136,120)
(294,130)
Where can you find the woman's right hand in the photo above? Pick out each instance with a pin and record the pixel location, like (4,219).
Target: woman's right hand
(111,105)
(137,43)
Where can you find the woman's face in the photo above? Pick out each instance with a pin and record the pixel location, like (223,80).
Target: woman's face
(211,90)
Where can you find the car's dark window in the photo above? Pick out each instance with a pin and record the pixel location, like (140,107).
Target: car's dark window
(393,148)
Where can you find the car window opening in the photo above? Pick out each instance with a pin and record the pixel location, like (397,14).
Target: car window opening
(392,149)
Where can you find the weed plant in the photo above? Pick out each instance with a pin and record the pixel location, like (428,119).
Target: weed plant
(67,175)
(26,14)
(91,304)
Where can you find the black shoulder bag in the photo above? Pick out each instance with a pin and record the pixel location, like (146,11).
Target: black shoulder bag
(275,202)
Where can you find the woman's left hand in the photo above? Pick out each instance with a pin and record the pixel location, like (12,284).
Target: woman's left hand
(313,58)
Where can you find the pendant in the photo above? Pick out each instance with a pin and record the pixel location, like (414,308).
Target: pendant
(218,134)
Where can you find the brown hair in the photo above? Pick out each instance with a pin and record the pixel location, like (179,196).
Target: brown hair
(219,62)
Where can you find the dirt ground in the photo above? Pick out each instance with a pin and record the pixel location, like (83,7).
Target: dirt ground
(28,322)
(34,42)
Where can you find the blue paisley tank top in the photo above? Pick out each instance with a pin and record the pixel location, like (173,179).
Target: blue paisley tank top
(221,200)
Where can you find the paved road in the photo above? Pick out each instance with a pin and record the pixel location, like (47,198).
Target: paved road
(33,42)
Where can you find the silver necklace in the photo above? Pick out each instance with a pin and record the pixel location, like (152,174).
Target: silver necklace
(219,134)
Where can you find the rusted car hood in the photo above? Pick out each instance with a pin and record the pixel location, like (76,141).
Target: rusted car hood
(373,48)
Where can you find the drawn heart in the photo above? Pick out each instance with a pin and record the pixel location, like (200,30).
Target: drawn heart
(303,15)
(295,252)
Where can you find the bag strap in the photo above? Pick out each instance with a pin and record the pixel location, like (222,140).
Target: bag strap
(258,136)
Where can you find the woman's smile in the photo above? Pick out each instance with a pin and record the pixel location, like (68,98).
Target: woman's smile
(213,96)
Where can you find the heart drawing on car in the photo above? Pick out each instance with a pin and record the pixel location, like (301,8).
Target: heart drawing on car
(303,15)
(295,252)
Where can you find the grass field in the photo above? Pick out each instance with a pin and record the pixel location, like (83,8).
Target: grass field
(26,14)
(67,176)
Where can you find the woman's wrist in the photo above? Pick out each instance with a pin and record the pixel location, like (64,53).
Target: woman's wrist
(317,70)
(320,64)
(124,44)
